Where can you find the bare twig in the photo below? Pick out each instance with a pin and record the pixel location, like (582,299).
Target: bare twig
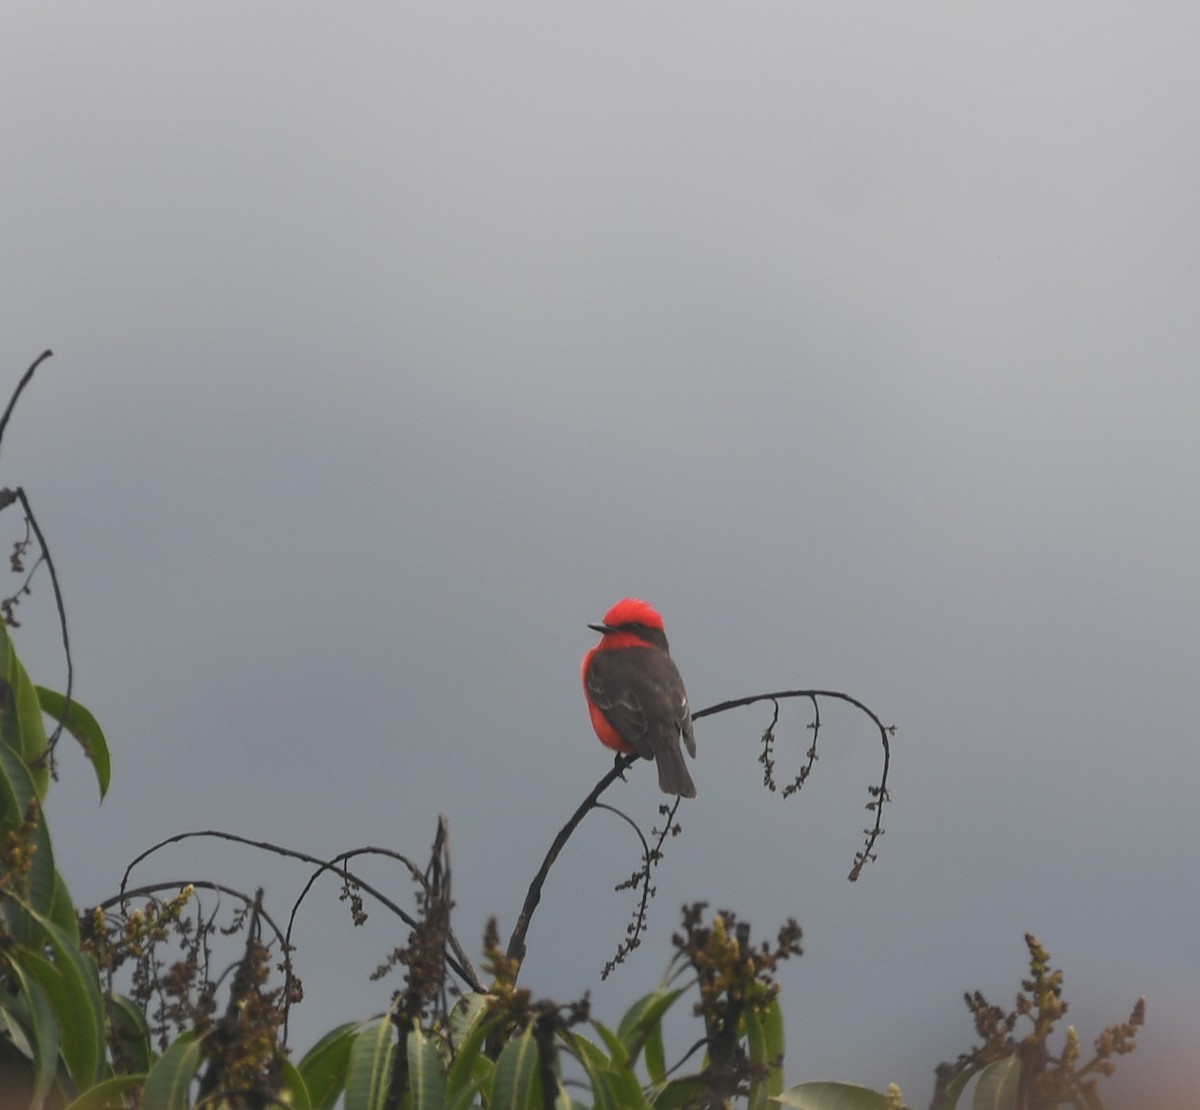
(7,497)
(62,612)
(459,963)
(26,378)
(651,857)
(516,943)
(879,794)
(152,890)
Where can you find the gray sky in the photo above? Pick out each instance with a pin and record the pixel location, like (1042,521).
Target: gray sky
(393,345)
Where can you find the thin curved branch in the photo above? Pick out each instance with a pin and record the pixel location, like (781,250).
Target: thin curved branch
(26,378)
(462,967)
(516,943)
(879,794)
(650,858)
(152,890)
(7,497)
(58,602)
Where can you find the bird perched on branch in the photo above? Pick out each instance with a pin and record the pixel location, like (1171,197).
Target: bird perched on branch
(635,695)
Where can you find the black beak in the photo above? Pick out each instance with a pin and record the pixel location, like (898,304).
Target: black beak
(602,628)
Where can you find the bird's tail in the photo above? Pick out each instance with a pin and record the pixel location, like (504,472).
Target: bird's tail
(673,777)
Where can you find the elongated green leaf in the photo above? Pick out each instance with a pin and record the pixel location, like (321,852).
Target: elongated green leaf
(169,1081)
(18,793)
(955,1089)
(764,1039)
(323,1068)
(130,1031)
(687,1091)
(74,992)
(80,723)
(776,1041)
(16,789)
(21,727)
(295,1091)
(462,1077)
(756,1044)
(589,1053)
(627,1089)
(40,1027)
(831,1096)
(109,1095)
(596,1065)
(646,1011)
(998,1085)
(643,1017)
(617,1051)
(370,1067)
(470,1009)
(516,1085)
(426,1079)
(656,1056)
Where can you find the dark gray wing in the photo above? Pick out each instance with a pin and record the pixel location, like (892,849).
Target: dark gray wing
(641,693)
(616,683)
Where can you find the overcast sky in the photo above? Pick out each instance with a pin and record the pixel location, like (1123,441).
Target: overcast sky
(394,343)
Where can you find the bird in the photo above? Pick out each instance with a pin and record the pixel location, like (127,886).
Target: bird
(635,695)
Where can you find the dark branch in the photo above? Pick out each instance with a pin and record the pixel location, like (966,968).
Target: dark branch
(59,604)
(152,890)
(651,857)
(879,794)
(25,380)
(460,965)
(516,943)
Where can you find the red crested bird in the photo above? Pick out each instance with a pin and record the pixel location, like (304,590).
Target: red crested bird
(635,695)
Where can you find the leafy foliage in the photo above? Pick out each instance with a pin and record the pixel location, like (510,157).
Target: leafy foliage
(1042,1078)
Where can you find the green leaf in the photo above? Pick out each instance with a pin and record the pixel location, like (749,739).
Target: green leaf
(18,793)
(642,1018)
(80,723)
(323,1068)
(128,1027)
(613,1085)
(109,1095)
(617,1051)
(955,1089)
(167,1085)
(426,1079)
(764,1039)
(465,1015)
(462,1078)
(656,1056)
(41,1030)
(596,1066)
(627,1089)
(756,1043)
(998,1084)
(21,727)
(588,1052)
(516,1085)
(73,987)
(16,788)
(831,1096)
(681,1092)
(773,1031)
(294,1092)
(369,1072)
